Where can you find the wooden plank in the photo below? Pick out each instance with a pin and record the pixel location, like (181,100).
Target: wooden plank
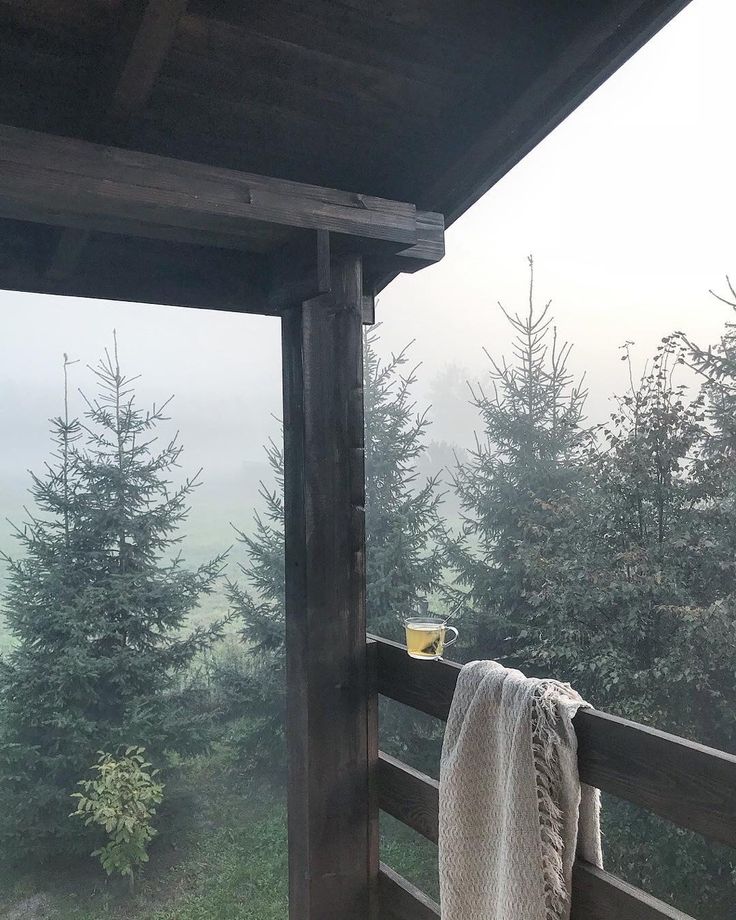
(152,37)
(687,783)
(338,30)
(413,798)
(271,140)
(502,139)
(252,238)
(690,784)
(134,270)
(140,43)
(598,895)
(44,174)
(400,900)
(424,685)
(374,826)
(324,494)
(408,795)
(240,63)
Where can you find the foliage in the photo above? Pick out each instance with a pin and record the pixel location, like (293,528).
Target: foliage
(221,854)
(631,598)
(97,614)
(403,559)
(403,525)
(257,687)
(608,558)
(121,799)
(514,480)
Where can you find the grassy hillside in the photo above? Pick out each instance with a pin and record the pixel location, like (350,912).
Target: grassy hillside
(222,856)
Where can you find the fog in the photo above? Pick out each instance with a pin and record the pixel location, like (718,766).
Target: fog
(628,208)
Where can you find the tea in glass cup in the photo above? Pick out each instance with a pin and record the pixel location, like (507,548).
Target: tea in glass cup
(426,637)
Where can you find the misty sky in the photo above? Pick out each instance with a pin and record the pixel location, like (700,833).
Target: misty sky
(628,208)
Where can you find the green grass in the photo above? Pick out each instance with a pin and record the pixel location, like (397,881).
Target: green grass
(410,855)
(223,857)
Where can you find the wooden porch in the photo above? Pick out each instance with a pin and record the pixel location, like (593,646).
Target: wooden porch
(289,159)
(689,784)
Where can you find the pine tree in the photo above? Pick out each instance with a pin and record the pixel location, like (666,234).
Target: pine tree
(97,614)
(517,485)
(254,689)
(403,526)
(404,560)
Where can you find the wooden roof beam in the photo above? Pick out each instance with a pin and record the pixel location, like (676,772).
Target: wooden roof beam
(141,41)
(148,44)
(67,182)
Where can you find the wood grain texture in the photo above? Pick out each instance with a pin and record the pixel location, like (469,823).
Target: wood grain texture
(400,900)
(408,795)
(374,827)
(152,33)
(413,798)
(690,784)
(421,100)
(57,177)
(327,680)
(598,895)
(134,270)
(130,64)
(424,685)
(503,136)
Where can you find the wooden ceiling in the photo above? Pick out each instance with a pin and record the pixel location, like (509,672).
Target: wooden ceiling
(425,101)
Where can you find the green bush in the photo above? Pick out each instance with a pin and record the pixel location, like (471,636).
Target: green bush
(121,799)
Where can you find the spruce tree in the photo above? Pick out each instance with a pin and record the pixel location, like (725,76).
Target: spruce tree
(97,613)
(403,526)
(404,562)
(517,484)
(254,691)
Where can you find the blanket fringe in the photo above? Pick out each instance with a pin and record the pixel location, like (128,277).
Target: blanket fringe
(547,768)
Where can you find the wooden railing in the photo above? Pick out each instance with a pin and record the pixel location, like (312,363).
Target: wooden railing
(689,784)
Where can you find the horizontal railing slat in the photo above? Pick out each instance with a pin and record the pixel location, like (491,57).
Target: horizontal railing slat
(427,686)
(400,900)
(690,784)
(598,895)
(413,798)
(408,795)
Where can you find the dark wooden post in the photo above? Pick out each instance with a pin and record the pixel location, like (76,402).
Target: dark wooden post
(329,862)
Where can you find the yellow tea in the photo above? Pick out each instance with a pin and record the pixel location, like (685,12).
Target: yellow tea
(425,640)
(426,637)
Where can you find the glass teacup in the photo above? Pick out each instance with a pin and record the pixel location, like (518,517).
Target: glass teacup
(426,637)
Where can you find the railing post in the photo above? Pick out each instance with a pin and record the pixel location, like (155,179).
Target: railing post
(374,830)
(324,493)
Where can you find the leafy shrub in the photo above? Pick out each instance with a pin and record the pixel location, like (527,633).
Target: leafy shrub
(122,799)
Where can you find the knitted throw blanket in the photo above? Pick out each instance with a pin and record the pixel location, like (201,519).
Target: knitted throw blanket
(511,804)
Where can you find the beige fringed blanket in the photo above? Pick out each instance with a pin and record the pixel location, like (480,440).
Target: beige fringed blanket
(511,803)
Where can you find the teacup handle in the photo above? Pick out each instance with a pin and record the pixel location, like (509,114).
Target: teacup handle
(454,638)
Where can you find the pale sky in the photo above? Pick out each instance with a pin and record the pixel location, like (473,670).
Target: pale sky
(628,208)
